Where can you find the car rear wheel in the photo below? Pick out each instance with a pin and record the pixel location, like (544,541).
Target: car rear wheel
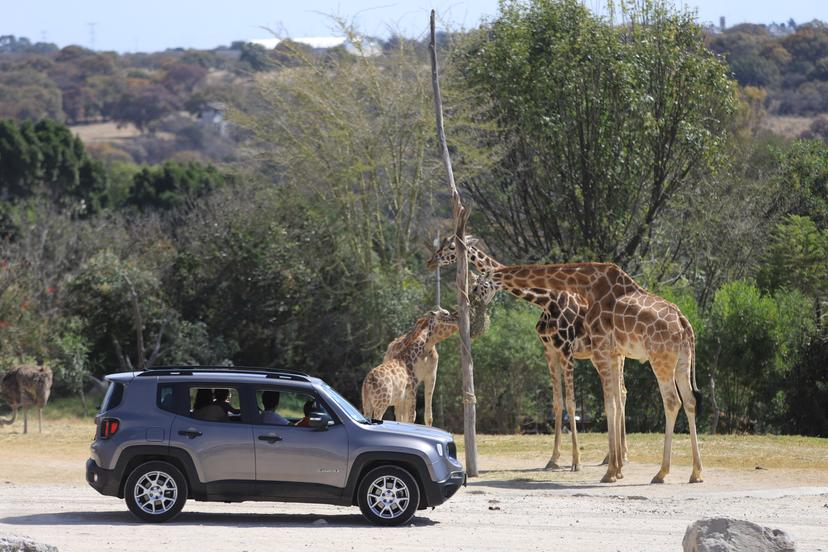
(155,491)
(388,495)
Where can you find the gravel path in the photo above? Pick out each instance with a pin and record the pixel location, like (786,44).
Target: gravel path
(518,509)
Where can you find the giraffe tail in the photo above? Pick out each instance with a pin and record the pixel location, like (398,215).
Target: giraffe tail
(691,353)
(696,393)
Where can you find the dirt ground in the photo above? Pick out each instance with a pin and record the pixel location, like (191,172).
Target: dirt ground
(512,506)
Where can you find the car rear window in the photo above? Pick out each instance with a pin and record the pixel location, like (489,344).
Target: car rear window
(114,394)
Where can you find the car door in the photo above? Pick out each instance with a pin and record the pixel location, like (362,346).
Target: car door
(296,461)
(222,450)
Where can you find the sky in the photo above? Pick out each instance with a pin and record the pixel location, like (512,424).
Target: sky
(151,25)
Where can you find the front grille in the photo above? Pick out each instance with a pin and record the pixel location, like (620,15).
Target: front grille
(452,450)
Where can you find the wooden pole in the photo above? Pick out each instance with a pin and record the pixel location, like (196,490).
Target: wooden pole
(460,218)
(437,272)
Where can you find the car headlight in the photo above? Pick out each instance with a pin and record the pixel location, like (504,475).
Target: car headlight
(440,449)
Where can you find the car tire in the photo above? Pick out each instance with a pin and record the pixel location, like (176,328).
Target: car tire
(155,491)
(388,495)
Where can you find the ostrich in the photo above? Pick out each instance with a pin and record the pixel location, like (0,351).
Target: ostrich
(23,386)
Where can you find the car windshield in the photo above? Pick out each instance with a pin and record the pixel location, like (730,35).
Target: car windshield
(343,403)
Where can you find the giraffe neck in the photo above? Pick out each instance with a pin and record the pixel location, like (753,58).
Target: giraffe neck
(481,261)
(592,281)
(446,327)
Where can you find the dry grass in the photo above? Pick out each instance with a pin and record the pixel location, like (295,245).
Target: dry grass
(104,132)
(722,451)
(789,126)
(110,132)
(57,456)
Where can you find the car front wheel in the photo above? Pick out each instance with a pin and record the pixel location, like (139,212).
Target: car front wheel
(155,491)
(388,495)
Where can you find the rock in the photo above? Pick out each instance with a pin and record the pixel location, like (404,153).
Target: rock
(734,535)
(10,543)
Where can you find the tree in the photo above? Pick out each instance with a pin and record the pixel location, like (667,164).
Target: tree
(172,185)
(119,303)
(804,172)
(601,124)
(354,135)
(797,258)
(47,158)
(142,103)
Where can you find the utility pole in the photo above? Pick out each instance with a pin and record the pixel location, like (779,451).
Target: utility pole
(92,34)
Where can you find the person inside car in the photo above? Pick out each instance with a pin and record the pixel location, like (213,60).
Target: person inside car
(308,408)
(205,409)
(270,400)
(222,399)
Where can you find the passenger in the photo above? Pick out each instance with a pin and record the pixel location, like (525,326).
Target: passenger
(222,399)
(270,400)
(308,408)
(205,409)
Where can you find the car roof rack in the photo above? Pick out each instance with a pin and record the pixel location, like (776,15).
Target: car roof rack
(187,370)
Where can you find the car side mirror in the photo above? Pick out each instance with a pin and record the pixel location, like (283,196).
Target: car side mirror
(319,420)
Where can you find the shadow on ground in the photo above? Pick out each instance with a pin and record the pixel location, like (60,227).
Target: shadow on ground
(503,481)
(204,518)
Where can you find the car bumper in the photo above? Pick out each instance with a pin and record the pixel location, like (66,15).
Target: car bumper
(440,491)
(103,481)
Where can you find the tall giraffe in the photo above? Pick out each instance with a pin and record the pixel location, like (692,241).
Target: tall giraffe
(562,332)
(622,320)
(408,360)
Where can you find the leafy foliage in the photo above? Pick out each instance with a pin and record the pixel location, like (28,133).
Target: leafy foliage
(603,124)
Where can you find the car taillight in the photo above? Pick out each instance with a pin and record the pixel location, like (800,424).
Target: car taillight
(109,427)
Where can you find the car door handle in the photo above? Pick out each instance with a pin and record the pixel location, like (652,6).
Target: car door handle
(191,433)
(270,438)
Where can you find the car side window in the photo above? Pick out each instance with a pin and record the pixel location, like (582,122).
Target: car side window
(166,397)
(286,408)
(214,404)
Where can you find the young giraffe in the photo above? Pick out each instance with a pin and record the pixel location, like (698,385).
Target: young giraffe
(622,320)
(425,368)
(395,380)
(562,333)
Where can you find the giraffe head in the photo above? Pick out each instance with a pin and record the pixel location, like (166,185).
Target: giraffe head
(424,327)
(483,288)
(446,253)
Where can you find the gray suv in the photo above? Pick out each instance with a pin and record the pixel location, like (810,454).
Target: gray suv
(234,434)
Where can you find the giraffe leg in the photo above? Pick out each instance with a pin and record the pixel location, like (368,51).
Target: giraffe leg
(623,410)
(664,368)
(617,364)
(557,400)
(623,416)
(411,408)
(603,365)
(40,420)
(569,382)
(25,419)
(429,382)
(689,400)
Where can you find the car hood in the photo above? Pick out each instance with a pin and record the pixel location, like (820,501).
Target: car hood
(415,430)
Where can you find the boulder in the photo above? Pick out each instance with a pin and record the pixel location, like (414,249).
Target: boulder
(10,543)
(734,535)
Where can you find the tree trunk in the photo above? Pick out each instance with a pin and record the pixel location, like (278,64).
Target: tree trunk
(460,218)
